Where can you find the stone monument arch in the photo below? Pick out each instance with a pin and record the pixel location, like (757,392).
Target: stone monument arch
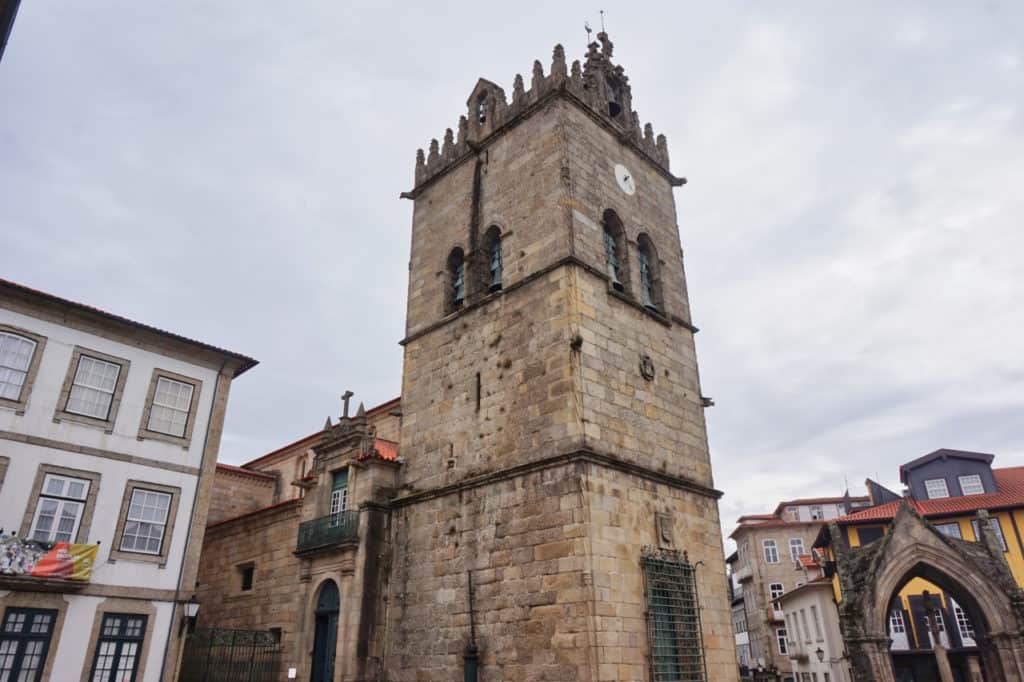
(974,573)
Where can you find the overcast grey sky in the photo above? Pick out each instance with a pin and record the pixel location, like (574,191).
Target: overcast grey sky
(230,171)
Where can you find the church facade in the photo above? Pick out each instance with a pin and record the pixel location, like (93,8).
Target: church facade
(539,505)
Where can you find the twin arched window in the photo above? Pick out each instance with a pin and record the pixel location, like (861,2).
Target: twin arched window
(483,275)
(617,262)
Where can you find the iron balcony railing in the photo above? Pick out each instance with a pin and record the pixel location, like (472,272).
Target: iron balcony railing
(328,531)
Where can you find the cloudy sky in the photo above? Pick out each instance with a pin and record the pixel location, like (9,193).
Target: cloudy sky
(853,224)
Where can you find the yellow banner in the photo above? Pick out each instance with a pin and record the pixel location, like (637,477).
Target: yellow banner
(62,560)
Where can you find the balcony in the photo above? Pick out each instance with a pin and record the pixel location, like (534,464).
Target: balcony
(328,532)
(743,573)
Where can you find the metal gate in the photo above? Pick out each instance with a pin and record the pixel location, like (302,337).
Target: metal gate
(231,656)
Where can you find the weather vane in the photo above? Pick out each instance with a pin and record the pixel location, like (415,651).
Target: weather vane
(602,21)
(586,27)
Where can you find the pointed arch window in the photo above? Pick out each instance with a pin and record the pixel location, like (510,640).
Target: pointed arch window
(492,243)
(650,273)
(616,265)
(455,294)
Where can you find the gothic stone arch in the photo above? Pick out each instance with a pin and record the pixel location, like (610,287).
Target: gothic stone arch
(872,574)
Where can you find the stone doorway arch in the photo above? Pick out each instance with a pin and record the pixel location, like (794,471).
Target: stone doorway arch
(983,585)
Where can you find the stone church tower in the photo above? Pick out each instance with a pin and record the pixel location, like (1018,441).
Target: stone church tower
(555,516)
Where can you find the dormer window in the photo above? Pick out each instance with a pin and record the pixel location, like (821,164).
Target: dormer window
(817,513)
(936,488)
(481,108)
(971,485)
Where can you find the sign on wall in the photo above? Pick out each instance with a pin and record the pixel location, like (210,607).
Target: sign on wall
(61,560)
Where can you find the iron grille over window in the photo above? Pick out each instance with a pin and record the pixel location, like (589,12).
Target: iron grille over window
(673,618)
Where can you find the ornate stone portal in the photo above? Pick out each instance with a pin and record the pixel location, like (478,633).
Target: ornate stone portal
(975,573)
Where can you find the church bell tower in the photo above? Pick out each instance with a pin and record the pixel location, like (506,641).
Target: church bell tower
(556,517)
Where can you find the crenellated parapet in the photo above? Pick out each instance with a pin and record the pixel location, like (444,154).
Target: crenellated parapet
(598,84)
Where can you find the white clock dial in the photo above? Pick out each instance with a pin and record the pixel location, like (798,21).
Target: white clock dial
(627,183)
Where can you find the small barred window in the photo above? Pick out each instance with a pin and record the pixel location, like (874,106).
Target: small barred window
(673,618)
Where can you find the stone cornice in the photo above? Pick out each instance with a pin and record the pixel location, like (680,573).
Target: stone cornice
(562,262)
(582,455)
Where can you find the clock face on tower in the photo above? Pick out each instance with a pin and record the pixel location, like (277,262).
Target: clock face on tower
(625,179)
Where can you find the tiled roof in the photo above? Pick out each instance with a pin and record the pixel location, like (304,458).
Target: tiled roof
(228,468)
(808,561)
(316,435)
(1010,481)
(245,362)
(382,449)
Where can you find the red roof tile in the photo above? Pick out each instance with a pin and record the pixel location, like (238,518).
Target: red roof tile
(1010,481)
(386,449)
(808,561)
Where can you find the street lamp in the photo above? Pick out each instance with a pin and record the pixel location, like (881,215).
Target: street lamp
(820,653)
(190,610)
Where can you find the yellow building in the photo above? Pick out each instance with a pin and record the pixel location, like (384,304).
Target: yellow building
(942,564)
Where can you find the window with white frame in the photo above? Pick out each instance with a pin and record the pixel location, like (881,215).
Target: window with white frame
(172,402)
(817,513)
(59,508)
(963,625)
(896,624)
(951,529)
(775,590)
(92,389)
(146,522)
(936,488)
(780,637)
(796,548)
(971,485)
(771,551)
(996,528)
(15,360)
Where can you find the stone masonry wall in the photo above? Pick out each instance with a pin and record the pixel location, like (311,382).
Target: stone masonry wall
(521,188)
(235,494)
(621,510)
(520,345)
(265,541)
(524,540)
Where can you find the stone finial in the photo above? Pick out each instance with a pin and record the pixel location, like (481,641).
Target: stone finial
(558,63)
(649,134)
(448,150)
(662,145)
(434,155)
(421,166)
(361,410)
(538,76)
(328,424)
(463,129)
(634,119)
(606,44)
(517,89)
(577,72)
